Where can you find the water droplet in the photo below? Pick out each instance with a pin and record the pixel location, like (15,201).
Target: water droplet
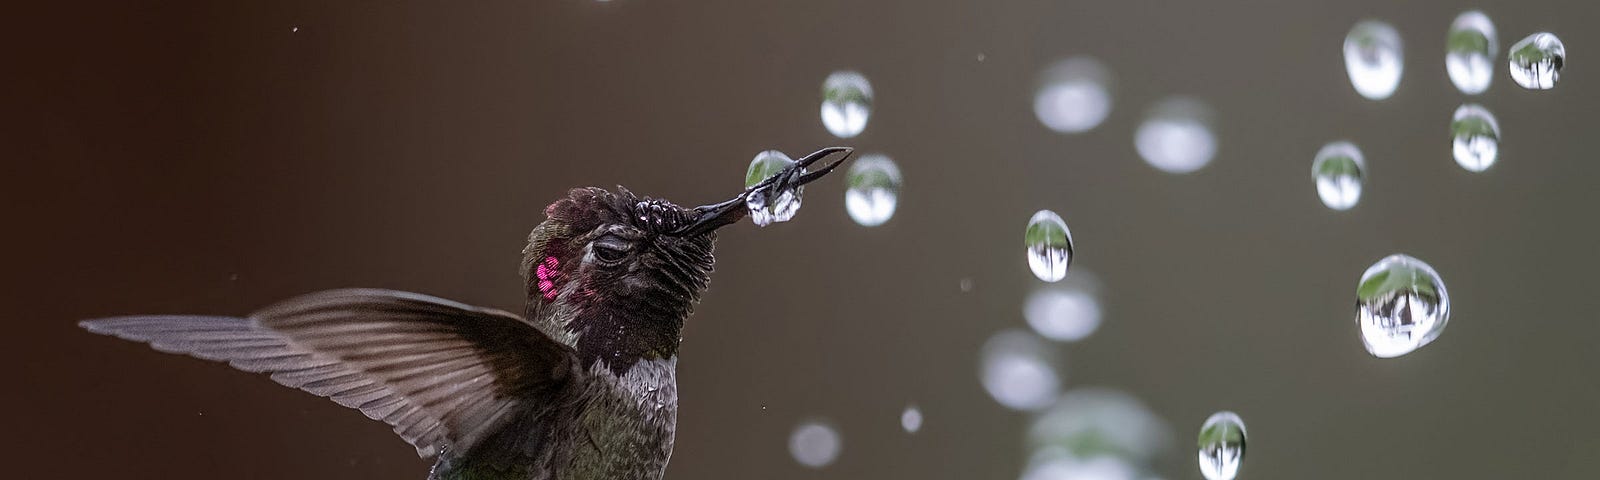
(1339,170)
(1049,246)
(294,29)
(1074,95)
(1536,61)
(1401,304)
(1470,49)
(1475,137)
(1373,58)
(911,419)
(846,103)
(1222,442)
(966,285)
(1096,421)
(765,211)
(1018,370)
(814,444)
(1067,312)
(874,190)
(1176,136)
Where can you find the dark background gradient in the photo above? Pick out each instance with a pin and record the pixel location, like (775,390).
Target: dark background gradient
(201,157)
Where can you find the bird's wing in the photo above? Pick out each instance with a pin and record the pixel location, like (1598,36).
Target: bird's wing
(442,373)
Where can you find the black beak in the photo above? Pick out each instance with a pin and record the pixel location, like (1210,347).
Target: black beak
(714,216)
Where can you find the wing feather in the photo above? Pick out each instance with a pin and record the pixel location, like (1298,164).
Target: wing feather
(441,373)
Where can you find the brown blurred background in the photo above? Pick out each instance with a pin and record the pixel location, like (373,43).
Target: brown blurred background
(213,157)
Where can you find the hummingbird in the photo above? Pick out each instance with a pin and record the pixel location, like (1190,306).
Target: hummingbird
(581,385)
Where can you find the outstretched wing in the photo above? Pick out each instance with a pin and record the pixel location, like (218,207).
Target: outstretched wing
(443,374)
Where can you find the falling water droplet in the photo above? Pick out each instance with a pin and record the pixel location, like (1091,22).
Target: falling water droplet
(1222,442)
(763,210)
(1059,464)
(1470,48)
(874,190)
(1475,138)
(1339,170)
(846,103)
(1096,421)
(1176,136)
(1066,312)
(1049,246)
(911,419)
(1074,95)
(1536,61)
(1018,370)
(1373,58)
(1401,304)
(814,444)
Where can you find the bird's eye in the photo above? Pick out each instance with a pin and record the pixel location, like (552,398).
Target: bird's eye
(610,249)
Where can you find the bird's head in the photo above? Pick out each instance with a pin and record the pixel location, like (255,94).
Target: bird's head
(615,275)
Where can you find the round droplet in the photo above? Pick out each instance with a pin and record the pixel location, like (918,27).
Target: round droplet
(1474,138)
(1066,312)
(846,103)
(874,190)
(1470,49)
(763,210)
(1099,421)
(1049,246)
(1401,305)
(1536,61)
(1339,170)
(815,444)
(1222,442)
(1176,136)
(911,419)
(1018,370)
(1373,58)
(1056,464)
(1074,95)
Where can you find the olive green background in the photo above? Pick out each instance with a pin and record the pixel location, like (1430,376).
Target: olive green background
(203,157)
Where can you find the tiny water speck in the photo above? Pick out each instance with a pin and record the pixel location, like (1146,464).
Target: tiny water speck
(846,103)
(965,284)
(873,190)
(765,211)
(1018,370)
(1176,136)
(1470,50)
(1536,61)
(1049,246)
(911,419)
(1374,59)
(1401,305)
(1339,171)
(1074,95)
(815,444)
(1474,138)
(1065,312)
(1222,444)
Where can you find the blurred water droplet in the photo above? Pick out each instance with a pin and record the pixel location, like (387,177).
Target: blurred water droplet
(1339,170)
(846,103)
(1401,305)
(1018,370)
(1536,61)
(966,285)
(1222,443)
(1474,138)
(1470,49)
(873,190)
(1176,136)
(1060,466)
(1049,246)
(1074,95)
(911,419)
(1373,57)
(814,444)
(1098,421)
(763,210)
(1067,312)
